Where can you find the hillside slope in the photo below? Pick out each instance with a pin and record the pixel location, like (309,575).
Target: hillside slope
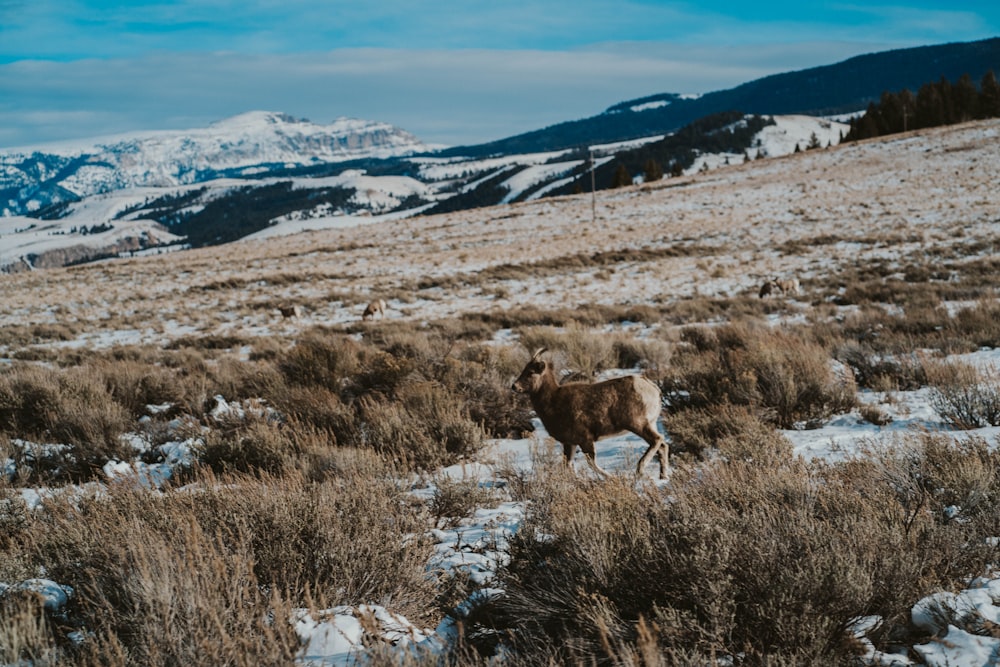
(831,89)
(815,214)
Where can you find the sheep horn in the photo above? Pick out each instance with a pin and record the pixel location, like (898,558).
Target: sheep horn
(538,353)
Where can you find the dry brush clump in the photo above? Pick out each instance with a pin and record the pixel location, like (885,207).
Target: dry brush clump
(418,397)
(964,396)
(883,372)
(766,564)
(211,576)
(731,431)
(72,416)
(423,397)
(782,376)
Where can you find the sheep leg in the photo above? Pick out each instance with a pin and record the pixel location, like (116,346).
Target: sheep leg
(657,445)
(568,451)
(591,456)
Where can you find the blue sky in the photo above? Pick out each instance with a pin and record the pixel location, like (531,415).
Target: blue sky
(450,72)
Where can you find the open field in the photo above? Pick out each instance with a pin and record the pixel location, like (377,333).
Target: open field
(835,478)
(925,201)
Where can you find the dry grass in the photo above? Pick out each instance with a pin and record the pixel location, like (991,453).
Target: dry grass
(768,562)
(752,554)
(733,432)
(72,410)
(964,396)
(204,578)
(783,377)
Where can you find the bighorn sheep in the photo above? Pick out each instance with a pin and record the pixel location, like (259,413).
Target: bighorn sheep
(785,286)
(290,311)
(577,414)
(788,285)
(375,307)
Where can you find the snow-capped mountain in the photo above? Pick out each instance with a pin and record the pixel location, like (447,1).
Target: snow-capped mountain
(33,178)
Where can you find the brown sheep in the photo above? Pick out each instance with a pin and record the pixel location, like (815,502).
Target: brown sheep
(788,285)
(376,307)
(766,289)
(290,311)
(785,286)
(577,414)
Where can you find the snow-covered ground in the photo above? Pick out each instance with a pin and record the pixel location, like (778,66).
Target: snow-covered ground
(166,163)
(719,234)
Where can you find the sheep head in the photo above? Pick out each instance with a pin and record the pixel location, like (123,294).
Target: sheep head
(530,378)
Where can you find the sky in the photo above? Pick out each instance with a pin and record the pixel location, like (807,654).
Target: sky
(451,72)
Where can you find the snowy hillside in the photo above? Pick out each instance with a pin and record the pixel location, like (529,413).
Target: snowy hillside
(244,145)
(531,176)
(892,239)
(138,185)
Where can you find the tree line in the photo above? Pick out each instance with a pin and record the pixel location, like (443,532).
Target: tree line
(936,103)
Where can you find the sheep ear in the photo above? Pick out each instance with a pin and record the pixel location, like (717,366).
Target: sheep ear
(538,353)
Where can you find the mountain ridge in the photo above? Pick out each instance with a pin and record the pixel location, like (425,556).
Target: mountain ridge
(244,145)
(841,87)
(259,172)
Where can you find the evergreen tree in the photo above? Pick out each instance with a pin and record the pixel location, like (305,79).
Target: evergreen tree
(966,99)
(930,108)
(865,127)
(989,96)
(653,171)
(813,142)
(945,90)
(621,177)
(889,118)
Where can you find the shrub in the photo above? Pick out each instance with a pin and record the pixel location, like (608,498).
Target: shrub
(735,432)
(427,429)
(250,445)
(134,385)
(770,563)
(26,632)
(318,408)
(585,352)
(382,373)
(211,578)
(319,359)
(963,397)
(482,378)
(882,372)
(71,408)
(779,375)
(454,500)
(980,325)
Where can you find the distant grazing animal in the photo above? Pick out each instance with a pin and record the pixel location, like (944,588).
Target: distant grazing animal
(290,311)
(785,286)
(376,307)
(788,285)
(577,414)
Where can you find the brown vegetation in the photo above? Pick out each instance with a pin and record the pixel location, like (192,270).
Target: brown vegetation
(749,553)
